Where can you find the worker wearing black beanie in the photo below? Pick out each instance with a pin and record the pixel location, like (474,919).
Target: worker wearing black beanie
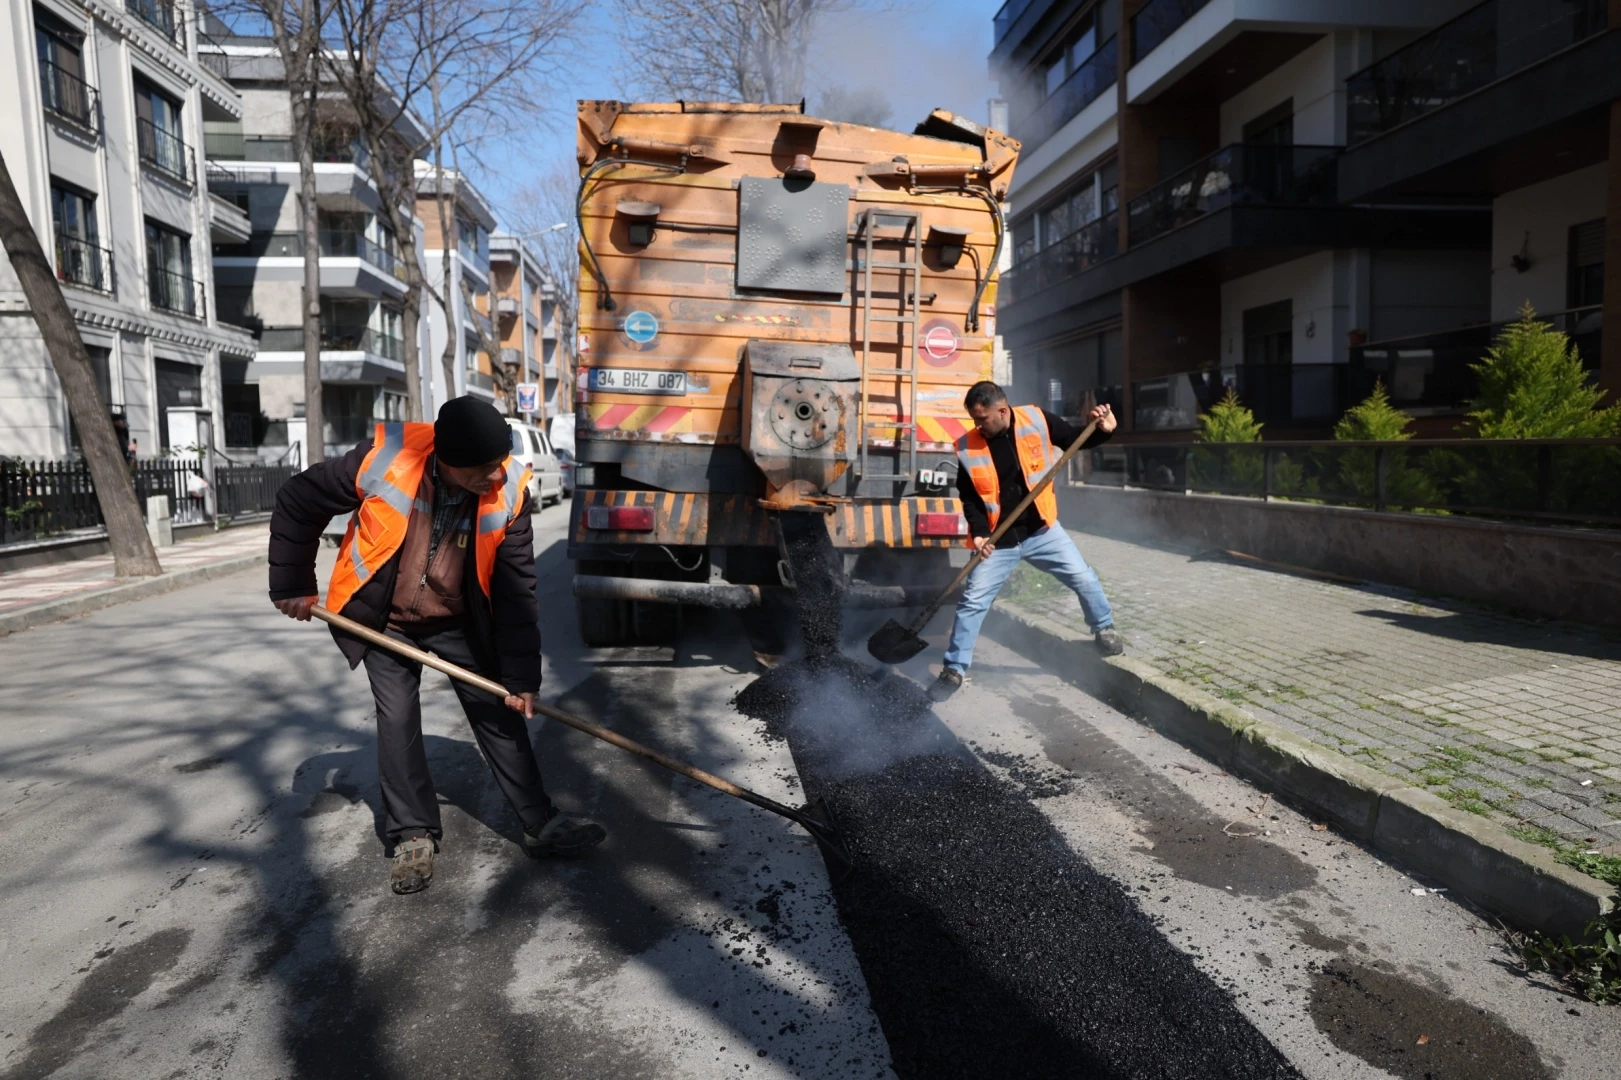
(439,555)
(470,432)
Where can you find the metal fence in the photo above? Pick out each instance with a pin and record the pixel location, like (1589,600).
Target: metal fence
(1556,480)
(248,489)
(40,499)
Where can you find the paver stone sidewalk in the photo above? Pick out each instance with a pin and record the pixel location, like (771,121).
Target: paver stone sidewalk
(24,589)
(1514,719)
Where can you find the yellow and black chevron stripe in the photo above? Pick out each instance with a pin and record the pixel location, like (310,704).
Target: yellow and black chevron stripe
(706,520)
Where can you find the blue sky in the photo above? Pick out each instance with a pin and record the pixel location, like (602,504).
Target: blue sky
(919,54)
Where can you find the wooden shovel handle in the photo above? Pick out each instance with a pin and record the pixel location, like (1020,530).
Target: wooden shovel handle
(490,686)
(1006,523)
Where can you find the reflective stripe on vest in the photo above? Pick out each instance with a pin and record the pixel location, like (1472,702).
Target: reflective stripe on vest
(389,479)
(1037,457)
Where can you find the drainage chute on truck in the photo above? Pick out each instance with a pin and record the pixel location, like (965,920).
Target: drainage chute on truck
(779,315)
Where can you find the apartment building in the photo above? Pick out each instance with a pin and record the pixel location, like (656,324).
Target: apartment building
(1293,198)
(458,235)
(526,318)
(259,277)
(103,104)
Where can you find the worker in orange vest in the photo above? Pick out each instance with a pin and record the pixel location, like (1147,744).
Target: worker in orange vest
(998,464)
(438,553)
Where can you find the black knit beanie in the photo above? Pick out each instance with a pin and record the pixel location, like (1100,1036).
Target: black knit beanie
(470,432)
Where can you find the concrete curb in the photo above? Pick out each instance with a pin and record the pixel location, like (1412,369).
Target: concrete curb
(96,599)
(1472,856)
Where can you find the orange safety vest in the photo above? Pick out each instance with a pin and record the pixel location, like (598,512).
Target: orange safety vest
(1036,456)
(389,479)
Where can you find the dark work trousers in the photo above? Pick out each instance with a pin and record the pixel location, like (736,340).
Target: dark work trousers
(410,807)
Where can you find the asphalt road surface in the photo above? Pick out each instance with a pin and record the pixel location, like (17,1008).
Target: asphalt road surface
(193,883)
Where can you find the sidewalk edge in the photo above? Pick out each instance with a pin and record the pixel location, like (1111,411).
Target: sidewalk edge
(1470,855)
(66,608)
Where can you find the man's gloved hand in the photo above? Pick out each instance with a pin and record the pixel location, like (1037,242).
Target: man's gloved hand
(524,703)
(297,607)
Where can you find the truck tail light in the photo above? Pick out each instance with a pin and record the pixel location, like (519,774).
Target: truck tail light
(942,525)
(620,518)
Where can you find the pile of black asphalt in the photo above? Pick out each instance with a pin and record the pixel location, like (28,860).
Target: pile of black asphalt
(990,948)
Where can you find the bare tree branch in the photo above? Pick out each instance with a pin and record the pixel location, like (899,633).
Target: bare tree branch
(722,50)
(424,74)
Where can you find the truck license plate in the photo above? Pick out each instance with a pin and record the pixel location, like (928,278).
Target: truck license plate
(633,381)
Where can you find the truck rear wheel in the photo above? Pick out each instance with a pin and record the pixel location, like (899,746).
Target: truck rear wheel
(602,622)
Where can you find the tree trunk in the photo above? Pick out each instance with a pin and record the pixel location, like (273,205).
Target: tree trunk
(309,225)
(126,531)
(411,327)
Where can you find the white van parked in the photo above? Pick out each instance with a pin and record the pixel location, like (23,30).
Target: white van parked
(530,445)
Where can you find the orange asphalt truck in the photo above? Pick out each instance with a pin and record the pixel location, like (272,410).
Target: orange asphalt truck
(778,315)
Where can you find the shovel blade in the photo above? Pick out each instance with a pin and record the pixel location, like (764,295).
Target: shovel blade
(894,643)
(840,863)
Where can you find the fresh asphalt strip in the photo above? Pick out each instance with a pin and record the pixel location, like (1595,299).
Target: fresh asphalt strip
(990,948)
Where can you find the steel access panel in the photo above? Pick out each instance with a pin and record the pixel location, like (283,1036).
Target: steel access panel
(792,236)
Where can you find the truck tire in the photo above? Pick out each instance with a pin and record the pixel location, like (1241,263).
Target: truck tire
(601,622)
(655,624)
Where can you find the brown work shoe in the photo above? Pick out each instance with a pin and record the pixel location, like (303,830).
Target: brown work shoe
(413,864)
(562,838)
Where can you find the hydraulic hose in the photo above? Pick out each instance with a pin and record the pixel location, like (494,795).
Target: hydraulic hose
(985,194)
(605,300)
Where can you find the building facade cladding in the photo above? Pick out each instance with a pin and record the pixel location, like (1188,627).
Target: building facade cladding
(259,275)
(102,109)
(525,300)
(465,245)
(1189,229)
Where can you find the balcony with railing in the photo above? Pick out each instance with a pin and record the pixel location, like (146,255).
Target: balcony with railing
(1079,251)
(1238,175)
(171,291)
(235,146)
(1434,373)
(80,262)
(334,243)
(163,150)
(69,96)
(333,339)
(1157,20)
(1474,50)
(159,15)
(1085,85)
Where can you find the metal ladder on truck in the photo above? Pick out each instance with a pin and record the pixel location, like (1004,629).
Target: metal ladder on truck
(909,264)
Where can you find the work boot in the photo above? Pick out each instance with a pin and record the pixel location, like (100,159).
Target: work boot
(562,839)
(1109,642)
(413,864)
(949,682)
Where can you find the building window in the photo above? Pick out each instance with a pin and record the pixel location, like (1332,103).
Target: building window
(1094,198)
(158,130)
(1075,49)
(1586,264)
(1269,334)
(101,364)
(158,14)
(1275,127)
(168,269)
(79,259)
(61,69)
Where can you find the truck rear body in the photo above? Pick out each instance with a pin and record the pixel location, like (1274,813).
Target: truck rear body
(777,314)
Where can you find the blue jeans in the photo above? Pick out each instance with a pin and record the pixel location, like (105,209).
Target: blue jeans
(1051,550)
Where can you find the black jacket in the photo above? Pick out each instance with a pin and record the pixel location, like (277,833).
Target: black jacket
(1010,480)
(503,629)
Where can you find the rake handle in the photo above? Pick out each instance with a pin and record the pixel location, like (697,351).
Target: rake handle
(490,686)
(1006,523)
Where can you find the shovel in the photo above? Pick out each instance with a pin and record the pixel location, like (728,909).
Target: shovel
(839,862)
(896,644)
